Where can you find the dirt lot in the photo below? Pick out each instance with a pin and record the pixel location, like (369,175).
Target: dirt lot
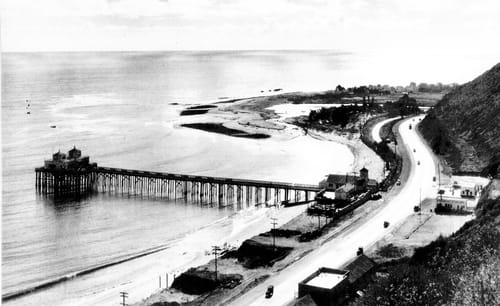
(419,230)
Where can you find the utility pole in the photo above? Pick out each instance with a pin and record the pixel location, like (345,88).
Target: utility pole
(420,208)
(215,251)
(274,222)
(439,178)
(123,295)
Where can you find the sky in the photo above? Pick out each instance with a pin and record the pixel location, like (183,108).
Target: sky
(425,29)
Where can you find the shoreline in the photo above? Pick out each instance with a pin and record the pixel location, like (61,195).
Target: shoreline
(234,116)
(363,157)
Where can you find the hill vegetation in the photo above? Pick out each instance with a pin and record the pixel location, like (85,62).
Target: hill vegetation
(464,126)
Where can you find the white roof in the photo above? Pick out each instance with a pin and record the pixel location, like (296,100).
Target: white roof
(329,194)
(326,280)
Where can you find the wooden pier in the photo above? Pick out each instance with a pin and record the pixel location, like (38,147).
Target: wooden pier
(198,189)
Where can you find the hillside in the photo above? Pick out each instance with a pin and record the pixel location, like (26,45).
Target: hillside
(465,125)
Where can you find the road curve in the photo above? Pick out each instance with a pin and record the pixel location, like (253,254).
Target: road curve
(336,252)
(376,128)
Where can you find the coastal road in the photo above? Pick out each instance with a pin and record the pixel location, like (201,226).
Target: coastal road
(365,232)
(376,128)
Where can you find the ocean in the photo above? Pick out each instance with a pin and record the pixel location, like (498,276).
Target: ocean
(122,109)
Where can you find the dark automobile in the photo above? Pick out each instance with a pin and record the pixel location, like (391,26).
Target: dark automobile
(386,224)
(360,251)
(269,292)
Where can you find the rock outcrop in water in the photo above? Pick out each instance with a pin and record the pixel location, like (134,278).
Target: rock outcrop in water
(465,125)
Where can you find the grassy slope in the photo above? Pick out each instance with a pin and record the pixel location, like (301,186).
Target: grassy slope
(465,125)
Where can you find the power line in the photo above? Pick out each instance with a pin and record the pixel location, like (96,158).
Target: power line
(215,252)
(274,223)
(123,295)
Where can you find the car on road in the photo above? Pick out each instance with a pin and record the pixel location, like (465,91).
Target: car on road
(414,150)
(270,292)
(418,163)
(386,224)
(376,196)
(398,182)
(359,251)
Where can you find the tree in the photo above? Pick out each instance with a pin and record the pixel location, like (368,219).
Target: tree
(339,88)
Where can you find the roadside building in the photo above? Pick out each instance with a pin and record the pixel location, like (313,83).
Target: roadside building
(362,182)
(359,271)
(329,286)
(450,200)
(470,190)
(344,192)
(334,181)
(455,204)
(326,286)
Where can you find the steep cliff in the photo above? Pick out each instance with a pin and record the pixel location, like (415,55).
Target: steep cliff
(465,125)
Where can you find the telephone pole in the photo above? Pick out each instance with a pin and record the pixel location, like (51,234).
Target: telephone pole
(439,177)
(274,223)
(420,207)
(215,251)
(123,295)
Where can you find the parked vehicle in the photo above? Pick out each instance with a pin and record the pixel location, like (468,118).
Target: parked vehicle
(433,178)
(418,163)
(376,196)
(398,182)
(359,252)
(270,292)
(416,208)
(410,127)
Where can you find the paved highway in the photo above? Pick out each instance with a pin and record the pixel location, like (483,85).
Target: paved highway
(378,126)
(365,233)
